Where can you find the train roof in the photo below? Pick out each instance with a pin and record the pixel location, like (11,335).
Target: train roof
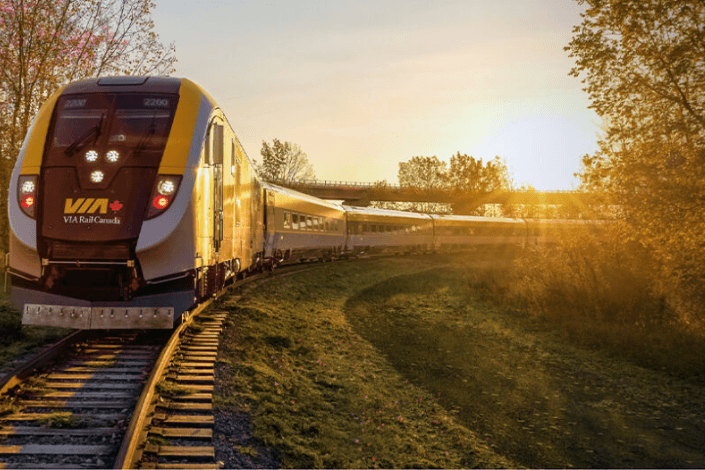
(299,195)
(384,212)
(473,218)
(116,84)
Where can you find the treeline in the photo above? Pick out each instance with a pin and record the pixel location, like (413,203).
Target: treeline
(640,291)
(45,44)
(468,179)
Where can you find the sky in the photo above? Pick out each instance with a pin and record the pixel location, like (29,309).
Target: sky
(361,85)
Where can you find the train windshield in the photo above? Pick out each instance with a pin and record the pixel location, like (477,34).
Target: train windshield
(79,121)
(129,128)
(141,122)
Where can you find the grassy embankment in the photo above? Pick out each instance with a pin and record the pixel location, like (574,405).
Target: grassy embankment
(321,393)
(407,363)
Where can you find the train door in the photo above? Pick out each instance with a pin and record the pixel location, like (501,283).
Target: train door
(269,224)
(239,232)
(217,169)
(212,277)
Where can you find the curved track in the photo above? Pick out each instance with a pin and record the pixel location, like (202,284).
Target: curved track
(128,399)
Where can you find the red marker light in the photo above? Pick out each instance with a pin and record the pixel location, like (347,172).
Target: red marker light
(28,201)
(160,202)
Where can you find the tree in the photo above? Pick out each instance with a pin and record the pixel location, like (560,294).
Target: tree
(470,177)
(643,64)
(284,162)
(47,43)
(424,173)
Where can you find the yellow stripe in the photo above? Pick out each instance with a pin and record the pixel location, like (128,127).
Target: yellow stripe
(179,143)
(35,146)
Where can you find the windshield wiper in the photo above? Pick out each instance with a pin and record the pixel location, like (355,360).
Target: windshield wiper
(78,144)
(146,136)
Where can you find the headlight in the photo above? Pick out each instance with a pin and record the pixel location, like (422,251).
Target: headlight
(91,156)
(113,156)
(163,193)
(27,194)
(166,187)
(97,176)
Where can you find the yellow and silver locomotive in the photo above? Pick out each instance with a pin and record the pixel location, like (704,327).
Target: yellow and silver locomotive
(131,200)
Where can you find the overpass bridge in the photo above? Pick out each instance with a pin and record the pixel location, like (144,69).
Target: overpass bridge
(361,194)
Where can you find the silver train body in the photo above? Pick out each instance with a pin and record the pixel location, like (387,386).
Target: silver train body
(132,201)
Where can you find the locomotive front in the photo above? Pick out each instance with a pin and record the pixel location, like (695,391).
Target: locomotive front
(82,197)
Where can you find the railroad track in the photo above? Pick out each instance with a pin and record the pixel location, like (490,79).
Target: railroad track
(133,399)
(73,412)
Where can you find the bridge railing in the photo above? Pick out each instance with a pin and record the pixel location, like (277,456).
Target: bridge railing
(382,185)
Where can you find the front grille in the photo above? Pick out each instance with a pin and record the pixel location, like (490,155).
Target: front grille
(88,252)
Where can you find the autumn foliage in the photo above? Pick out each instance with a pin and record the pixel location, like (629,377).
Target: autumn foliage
(45,44)
(643,65)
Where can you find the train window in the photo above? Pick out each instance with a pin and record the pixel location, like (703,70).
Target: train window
(364,228)
(295,221)
(309,222)
(287,219)
(71,125)
(130,126)
(327,225)
(315,223)
(373,229)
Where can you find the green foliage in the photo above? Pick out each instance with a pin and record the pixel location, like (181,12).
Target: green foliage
(643,67)
(284,162)
(10,324)
(169,388)
(19,340)
(62,419)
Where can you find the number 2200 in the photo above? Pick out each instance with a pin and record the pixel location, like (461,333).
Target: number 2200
(156,102)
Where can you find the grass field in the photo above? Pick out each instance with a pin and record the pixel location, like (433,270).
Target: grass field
(400,363)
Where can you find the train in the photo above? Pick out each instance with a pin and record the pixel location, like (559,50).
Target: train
(132,200)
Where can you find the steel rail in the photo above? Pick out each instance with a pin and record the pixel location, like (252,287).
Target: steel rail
(15,377)
(126,455)
(136,431)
